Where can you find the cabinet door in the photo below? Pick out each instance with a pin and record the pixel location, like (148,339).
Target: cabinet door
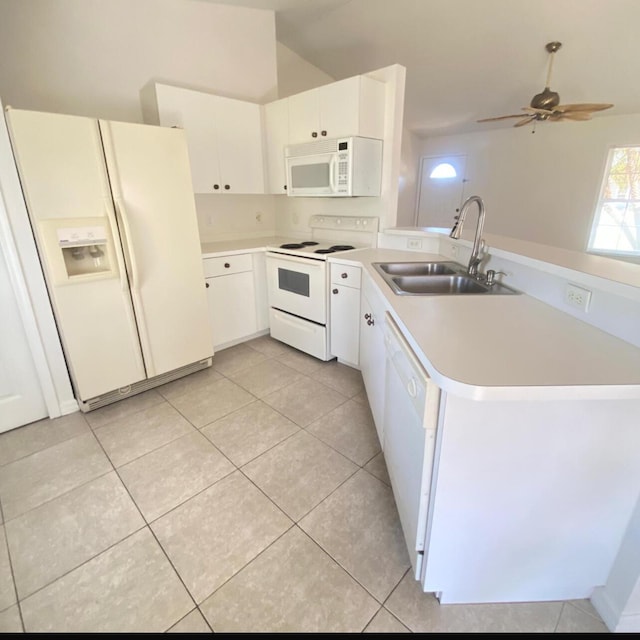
(232,307)
(304,117)
(193,111)
(339,108)
(372,361)
(238,132)
(276,121)
(345,323)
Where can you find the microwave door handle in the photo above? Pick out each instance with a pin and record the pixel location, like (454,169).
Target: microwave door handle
(332,170)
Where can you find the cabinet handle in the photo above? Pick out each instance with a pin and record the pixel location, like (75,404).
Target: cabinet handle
(285,187)
(226,265)
(370,322)
(367,316)
(206,284)
(314,134)
(343,275)
(324,133)
(227,187)
(335,291)
(216,186)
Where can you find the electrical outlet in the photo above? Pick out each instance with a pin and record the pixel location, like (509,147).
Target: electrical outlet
(577,297)
(414,243)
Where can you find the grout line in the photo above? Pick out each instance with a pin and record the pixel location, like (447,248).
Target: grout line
(555,628)
(13,577)
(127,415)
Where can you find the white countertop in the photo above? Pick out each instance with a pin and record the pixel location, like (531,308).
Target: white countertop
(507,347)
(494,347)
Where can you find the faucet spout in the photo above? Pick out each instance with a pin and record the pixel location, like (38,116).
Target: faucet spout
(474,260)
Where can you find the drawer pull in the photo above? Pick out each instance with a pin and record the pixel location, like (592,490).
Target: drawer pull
(367,316)
(335,291)
(226,265)
(343,275)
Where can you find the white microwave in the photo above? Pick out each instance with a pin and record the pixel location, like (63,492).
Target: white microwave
(335,167)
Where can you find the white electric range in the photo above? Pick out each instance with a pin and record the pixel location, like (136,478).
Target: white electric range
(298,280)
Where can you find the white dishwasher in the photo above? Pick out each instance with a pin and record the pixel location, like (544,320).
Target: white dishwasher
(410,421)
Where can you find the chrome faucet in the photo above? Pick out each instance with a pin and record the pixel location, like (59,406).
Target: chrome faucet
(475,258)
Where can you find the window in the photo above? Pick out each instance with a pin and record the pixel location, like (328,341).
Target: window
(616,224)
(443,170)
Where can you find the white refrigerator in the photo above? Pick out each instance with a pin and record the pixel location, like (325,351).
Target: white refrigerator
(113,215)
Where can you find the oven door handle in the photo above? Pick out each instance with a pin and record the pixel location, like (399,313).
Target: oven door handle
(312,263)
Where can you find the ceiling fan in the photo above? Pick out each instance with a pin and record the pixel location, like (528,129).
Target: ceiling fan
(546,105)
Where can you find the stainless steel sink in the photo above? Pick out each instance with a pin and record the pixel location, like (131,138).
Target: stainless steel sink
(418,268)
(435,278)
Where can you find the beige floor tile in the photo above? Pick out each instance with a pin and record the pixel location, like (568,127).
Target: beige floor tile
(269,347)
(7,591)
(300,361)
(361,398)
(378,467)
(60,535)
(19,443)
(250,431)
(384,622)
(192,623)
(100,417)
(203,406)
(131,587)
(586,606)
(236,358)
(575,620)
(358,526)
(166,477)
(135,435)
(10,620)
(197,380)
(265,377)
(299,473)
(350,430)
(342,378)
(421,612)
(292,587)
(213,535)
(305,400)
(42,476)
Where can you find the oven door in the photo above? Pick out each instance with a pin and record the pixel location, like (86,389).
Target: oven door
(298,286)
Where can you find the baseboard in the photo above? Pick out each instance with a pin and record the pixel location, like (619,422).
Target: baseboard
(69,406)
(607,609)
(233,343)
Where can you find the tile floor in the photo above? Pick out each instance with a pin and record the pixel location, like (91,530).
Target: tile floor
(249,497)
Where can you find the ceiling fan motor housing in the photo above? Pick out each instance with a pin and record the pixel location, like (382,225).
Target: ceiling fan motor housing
(546,100)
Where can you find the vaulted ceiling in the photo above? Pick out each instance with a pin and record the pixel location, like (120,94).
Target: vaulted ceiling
(472,59)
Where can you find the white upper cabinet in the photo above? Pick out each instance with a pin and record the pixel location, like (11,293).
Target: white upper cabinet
(276,123)
(351,107)
(224,137)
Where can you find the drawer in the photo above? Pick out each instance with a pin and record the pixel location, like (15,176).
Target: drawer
(346,275)
(225,265)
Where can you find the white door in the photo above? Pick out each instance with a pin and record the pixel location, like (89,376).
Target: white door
(21,399)
(151,183)
(440,194)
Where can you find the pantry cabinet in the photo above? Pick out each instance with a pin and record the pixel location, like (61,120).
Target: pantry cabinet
(224,137)
(350,107)
(345,313)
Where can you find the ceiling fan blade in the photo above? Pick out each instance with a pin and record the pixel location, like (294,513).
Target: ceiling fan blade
(525,120)
(570,115)
(583,107)
(517,115)
(544,112)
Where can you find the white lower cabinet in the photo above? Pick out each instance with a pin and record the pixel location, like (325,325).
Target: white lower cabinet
(345,313)
(372,352)
(232,298)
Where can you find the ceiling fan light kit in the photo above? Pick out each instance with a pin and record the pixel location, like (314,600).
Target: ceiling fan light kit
(546,104)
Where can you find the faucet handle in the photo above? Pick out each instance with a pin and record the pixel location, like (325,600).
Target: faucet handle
(491,276)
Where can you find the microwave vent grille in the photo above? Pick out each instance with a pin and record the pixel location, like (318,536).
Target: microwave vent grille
(311,148)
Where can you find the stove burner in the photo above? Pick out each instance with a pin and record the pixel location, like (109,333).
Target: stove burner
(324,251)
(309,243)
(292,245)
(341,247)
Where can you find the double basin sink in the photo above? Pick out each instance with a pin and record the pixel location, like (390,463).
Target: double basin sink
(435,278)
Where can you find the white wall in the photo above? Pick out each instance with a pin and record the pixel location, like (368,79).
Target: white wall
(92,58)
(540,187)
(295,74)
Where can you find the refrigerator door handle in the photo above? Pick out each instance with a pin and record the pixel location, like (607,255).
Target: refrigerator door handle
(124,283)
(125,234)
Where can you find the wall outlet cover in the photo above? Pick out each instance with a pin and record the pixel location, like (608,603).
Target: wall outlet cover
(577,297)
